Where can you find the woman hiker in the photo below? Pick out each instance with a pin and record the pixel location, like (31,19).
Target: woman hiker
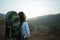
(25,32)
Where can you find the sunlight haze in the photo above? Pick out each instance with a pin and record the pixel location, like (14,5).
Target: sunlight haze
(31,8)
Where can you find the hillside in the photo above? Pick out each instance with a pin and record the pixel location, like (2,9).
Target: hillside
(47,27)
(44,21)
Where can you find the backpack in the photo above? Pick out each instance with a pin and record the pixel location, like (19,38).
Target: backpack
(12,24)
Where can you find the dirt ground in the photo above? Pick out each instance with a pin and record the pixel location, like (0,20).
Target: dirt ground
(35,36)
(42,36)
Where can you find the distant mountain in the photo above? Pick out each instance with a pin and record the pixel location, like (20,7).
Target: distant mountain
(2,16)
(44,23)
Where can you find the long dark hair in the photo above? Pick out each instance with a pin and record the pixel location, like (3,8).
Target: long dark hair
(22,16)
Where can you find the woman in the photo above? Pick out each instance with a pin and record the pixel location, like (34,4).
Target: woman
(25,32)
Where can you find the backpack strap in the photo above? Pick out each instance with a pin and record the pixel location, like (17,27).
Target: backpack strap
(19,32)
(21,24)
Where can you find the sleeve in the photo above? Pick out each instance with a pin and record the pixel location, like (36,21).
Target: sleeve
(25,30)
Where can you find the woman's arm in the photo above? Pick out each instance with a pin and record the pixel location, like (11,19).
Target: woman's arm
(25,30)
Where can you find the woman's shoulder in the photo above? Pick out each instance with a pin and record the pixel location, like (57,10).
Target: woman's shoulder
(25,22)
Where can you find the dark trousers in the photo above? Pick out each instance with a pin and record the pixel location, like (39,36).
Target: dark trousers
(24,38)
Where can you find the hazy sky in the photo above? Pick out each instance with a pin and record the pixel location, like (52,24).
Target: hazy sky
(31,8)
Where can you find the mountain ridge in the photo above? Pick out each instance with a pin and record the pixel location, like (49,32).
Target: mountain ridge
(42,22)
